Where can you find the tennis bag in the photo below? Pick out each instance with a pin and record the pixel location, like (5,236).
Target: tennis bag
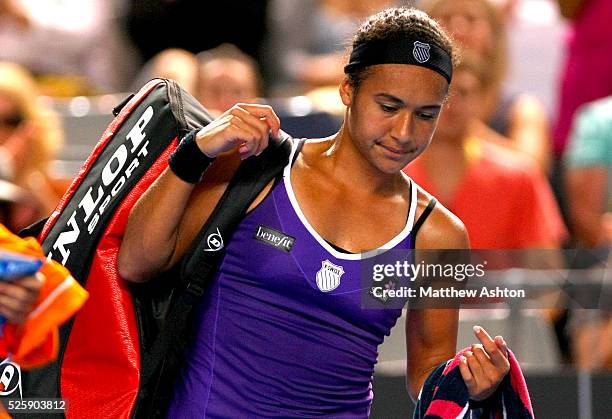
(120,355)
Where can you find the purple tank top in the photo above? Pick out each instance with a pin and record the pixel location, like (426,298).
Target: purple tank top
(281,331)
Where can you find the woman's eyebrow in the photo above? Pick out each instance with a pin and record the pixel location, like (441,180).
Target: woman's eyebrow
(399,102)
(391,98)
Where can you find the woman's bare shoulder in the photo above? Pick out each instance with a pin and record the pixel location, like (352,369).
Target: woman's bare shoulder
(442,229)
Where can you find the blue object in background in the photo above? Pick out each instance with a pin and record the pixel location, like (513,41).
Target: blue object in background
(13,266)
(312,125)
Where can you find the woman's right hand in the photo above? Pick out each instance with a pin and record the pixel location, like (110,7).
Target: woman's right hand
(243,126)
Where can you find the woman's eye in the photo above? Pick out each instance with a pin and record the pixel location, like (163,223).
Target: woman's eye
(387,108)
(426,115)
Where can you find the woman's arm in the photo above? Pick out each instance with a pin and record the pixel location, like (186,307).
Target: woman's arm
(431,338)
(168,216)
(151,239)
(431,333)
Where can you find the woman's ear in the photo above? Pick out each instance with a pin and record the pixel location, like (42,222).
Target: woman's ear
(347,92)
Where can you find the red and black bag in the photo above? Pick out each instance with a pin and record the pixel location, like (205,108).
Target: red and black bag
(119,356)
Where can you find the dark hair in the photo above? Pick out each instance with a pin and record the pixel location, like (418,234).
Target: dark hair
(395,23)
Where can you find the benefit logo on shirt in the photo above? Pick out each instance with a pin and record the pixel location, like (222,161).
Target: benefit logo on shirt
(274,238)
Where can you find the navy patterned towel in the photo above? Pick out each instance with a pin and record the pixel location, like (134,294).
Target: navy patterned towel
(445,395)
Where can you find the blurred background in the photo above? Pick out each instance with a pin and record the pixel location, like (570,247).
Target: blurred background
(523,151)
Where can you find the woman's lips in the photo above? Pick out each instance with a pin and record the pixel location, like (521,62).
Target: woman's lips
(396,151)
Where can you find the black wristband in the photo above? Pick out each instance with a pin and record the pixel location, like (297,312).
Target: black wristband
(188,162)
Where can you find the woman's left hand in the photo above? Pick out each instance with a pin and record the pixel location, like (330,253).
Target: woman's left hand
(485,366)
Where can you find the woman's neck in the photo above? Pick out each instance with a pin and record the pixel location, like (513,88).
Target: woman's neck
(337,157)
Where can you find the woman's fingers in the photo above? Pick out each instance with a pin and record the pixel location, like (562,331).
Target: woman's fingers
(256,123)
(496,355)
(260,124)
(490,374)
(466,374)
(266,112)
(488,364)
(247,137)
(502,345)
(475,367)
(245,126)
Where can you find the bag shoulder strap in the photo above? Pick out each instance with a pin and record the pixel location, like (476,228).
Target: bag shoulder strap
(250,179)
(202,260)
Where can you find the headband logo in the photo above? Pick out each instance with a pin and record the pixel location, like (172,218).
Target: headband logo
(421,52)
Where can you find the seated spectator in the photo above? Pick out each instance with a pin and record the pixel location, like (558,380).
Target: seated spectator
(227,76)
(514,120)
(588,159)
(30,136)
(173,63)
(589,174)
(309,39)
(501,197)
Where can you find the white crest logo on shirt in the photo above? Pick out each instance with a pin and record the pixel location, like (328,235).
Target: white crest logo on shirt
(328,277)
(421,52)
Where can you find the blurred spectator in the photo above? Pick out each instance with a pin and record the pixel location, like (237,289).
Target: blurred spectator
(173,63)
(157,25)
(588,159)
(15,204)
(501,197)
(72,46)
(589,174)
(515,120)
(588,64)
(227,76)
(309,38)
(30,136)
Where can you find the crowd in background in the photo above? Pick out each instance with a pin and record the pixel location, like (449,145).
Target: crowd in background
(523,150)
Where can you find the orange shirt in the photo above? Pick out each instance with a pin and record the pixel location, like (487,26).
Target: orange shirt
(36,341)
(504,202)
